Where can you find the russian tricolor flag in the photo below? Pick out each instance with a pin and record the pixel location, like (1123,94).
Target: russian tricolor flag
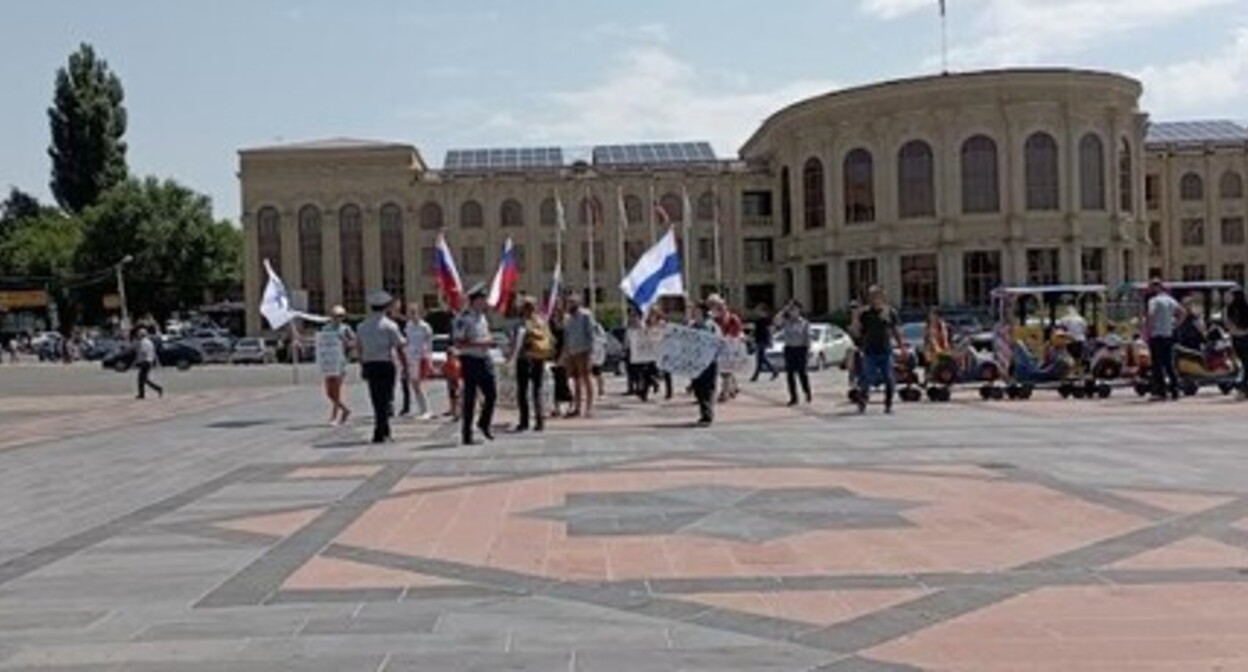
(505,279)
(448,275)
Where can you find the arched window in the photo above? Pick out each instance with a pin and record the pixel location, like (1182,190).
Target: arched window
(1231,186)
(786,202)
(351,246)
(430,216)
(1041,172)
(511,214)
(310,257)
(1126,181)
(269,235)
(634,209)
(673,205)
(859,187)
(471,216)
(1091,173)
(590,211)
(548,212)
(981,188)
(706,207)
(813,201)
(1191,187)
(916,180)
(392,249)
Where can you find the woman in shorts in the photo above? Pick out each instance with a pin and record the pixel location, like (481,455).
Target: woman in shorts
(336,371)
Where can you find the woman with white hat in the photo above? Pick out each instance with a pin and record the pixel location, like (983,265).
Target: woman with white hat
(335,368)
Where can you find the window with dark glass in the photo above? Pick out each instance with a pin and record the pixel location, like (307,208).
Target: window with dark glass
(1194,273)
(310,257)
(1152,191)
(1128,266)
(673,205)
(1192,232)
(916,180)
(759,254)
(1154,237)
(511,214)
(859,187)
(1126,181)
(269,234)
(813,200)
(1092,263)
(392,249)
(351,247)
(1044,266)
(1040,172)
(1232,230)
(706,250)
(786,202)
(1231,185)
(600,255)
(1233,273)
(756,204)
(920,281)
(430,216)
(705,209)
(471,216)
(548,212)
(817,280)
(1091,173)
(634,209)
(981,273)
(1191,187)
(861,274)
(981,190)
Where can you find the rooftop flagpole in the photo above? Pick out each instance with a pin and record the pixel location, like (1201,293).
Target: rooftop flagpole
(944,40)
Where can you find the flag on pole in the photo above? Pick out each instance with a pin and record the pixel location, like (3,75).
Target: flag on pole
(656,274)
(275,302)
(942,7)
(619,197)
(448,275)
(664,217)
(505,279)
(561,219)
(556,278)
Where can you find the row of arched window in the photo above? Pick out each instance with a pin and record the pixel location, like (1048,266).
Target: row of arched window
(1192,186)
(980,173)
(432,217)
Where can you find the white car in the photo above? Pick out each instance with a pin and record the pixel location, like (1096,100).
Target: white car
(829,346)
(251,351)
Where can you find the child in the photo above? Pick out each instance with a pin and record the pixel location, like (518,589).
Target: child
(452,373)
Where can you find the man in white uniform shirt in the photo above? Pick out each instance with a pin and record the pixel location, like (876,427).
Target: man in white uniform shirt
(380,342)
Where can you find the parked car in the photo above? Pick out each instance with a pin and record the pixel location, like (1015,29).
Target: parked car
(178,354)
(829,346)
(100,348)
(216,345)
(251,351)
(305,348)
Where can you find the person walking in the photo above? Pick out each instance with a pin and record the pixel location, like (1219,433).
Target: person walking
(559,372)
(795,334)
(704,383)
(1237,327)
(534,346)
(762,341)
(419,357)
(145,359)
(471,334)
(878,328)
(380,342)
(404,374)
(578,346)
(1163,317)
(731,329)
(336,371)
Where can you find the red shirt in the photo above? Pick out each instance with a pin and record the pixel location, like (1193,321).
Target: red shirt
(730,325)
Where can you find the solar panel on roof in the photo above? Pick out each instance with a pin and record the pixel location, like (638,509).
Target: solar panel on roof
(503,158)
(1196,132)
(659,153)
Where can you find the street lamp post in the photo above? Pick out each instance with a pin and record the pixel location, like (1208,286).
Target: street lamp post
(121,291)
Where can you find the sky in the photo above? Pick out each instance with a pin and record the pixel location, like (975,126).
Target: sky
(205,79)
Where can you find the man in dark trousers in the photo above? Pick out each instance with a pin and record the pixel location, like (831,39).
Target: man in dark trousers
(145,359)
(878,329)
(471,333)
(704,384)
(762,341)
(380,343)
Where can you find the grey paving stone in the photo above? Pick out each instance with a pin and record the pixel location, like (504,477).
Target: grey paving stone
(517,661)
(760,659)
(32,620)
(370,625)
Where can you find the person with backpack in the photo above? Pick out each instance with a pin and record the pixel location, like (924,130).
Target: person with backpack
(534,346)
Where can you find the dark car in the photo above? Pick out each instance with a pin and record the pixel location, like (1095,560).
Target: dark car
(100,348)
(179,355)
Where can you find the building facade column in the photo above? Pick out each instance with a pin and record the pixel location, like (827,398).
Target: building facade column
(331,256)
(252,274)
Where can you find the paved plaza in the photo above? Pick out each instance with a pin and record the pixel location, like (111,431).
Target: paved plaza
(227,528)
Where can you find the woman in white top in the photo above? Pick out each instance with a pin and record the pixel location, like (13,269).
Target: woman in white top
(333,361)
(419,353)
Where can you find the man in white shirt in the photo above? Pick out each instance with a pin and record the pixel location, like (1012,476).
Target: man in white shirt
(419,351)
(145,359)
(380,341)
(1164,315)
(473,341)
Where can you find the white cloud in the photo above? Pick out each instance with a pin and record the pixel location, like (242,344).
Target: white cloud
(1201,86)
(891,9)
(652,95)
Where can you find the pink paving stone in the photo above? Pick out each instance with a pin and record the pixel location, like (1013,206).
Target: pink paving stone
(1088,627)
(275,524)
(816,607)
(1190,553)
(336,471)
(333,573)
(1178,502)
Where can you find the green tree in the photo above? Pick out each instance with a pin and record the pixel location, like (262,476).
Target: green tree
(88,122)
(43,245)
(180,253)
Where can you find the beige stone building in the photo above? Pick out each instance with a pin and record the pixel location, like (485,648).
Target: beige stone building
(938,188)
